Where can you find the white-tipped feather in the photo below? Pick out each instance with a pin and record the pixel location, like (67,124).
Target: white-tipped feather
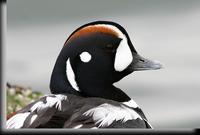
(36,106)
(78,126)
(51,101)
(61,97)
(33,118)
(106,114)
(17,121)
(94,128)
(131,103)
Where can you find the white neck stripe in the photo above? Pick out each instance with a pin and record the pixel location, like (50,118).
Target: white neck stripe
(71,76)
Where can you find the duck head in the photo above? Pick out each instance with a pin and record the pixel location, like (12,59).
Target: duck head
(95,56)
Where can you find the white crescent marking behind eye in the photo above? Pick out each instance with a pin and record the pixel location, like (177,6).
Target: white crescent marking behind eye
(123,56)
(71,76)
(85,57)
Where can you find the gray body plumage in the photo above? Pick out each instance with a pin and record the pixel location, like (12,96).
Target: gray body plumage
(70,111)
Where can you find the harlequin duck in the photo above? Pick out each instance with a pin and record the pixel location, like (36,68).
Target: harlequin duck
(94,56)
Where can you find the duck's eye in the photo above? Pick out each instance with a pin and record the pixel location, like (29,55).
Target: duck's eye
(85,57)
(109,48)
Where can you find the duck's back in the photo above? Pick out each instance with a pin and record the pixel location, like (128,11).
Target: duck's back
(71,111)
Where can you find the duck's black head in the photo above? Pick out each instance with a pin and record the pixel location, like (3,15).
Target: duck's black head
(94,57)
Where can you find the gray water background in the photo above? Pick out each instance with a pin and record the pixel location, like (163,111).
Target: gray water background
(168,31)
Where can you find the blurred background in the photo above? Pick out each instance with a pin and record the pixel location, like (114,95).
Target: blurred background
(168,31)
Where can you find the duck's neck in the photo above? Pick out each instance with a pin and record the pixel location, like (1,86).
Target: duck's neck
(107,92)
(88,87)
(59,84)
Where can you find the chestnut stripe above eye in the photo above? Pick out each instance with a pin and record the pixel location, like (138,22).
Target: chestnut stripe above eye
(93,29)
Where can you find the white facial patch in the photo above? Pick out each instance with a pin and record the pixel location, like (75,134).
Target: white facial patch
(71,76)
(123,56)
(85,57)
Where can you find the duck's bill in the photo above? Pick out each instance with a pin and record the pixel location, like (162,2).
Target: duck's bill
(139,63)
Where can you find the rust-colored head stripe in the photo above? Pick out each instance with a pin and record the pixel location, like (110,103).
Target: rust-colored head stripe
(91,30)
